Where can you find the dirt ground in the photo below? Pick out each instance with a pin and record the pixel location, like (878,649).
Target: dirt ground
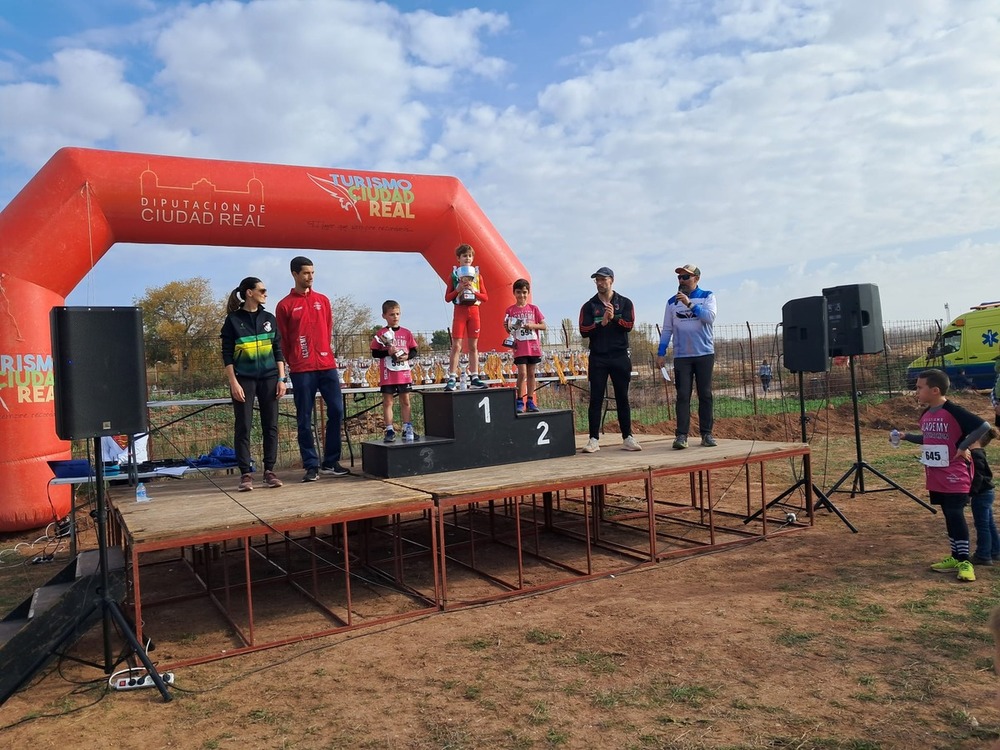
(817,639)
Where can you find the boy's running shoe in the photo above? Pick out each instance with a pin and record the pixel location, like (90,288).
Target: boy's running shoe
(390,435)
(530,405)
(451,384)
(477,383)
(519,406)
(966,572)
(948,565)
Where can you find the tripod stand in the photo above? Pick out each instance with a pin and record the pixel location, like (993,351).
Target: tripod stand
(110,609)
(824,500)
(857,469)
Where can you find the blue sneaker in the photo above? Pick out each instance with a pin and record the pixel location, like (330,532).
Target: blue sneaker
(530,405)
(519,406)
(390,435)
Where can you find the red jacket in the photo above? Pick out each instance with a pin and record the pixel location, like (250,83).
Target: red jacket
(306,324)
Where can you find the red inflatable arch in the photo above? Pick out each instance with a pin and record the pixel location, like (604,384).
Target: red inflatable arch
(83,201)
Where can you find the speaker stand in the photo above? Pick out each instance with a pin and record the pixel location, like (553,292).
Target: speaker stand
(858,468)
(111,610)
(808,484)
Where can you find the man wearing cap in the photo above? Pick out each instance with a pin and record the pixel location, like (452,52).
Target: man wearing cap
(605,321)
(688,320)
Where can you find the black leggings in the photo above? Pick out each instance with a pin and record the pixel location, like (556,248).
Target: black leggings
(955,523)
(953,508)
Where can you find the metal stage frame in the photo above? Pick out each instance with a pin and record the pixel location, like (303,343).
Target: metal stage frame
(313,559)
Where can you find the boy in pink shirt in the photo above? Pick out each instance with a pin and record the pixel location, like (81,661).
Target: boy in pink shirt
(395,346)
(947,431)
(523,321)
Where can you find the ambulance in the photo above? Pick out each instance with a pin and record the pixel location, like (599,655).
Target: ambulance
(968,349)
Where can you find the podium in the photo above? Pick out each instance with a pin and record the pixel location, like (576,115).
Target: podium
(472,429)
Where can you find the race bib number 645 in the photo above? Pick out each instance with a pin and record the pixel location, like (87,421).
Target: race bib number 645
(935,455)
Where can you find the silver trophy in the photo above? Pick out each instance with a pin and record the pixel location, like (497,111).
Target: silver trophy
(386,338)
(513,325)
(466,273)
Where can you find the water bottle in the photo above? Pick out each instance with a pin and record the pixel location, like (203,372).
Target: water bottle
(894,438)
(140,493)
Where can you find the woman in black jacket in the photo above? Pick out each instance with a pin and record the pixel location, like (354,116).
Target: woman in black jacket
(255,366)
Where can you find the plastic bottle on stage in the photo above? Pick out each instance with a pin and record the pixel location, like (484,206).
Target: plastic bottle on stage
(894,438)
(140,493)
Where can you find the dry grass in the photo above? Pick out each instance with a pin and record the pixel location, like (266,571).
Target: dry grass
(822,639)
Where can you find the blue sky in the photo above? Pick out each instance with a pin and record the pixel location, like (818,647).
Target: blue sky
(783,146)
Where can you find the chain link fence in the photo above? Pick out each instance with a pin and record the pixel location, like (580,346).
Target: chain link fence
(185,431)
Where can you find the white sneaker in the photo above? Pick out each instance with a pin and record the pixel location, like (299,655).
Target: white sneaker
(629,444)
(592,446)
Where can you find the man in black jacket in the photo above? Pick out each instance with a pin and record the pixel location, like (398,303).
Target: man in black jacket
(605,320)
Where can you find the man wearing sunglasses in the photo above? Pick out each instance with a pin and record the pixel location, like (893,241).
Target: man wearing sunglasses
(688,320)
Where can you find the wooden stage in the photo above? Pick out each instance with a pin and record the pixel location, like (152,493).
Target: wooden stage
(311,559)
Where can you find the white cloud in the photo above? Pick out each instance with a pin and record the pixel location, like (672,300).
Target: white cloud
(88,102)
(783,145)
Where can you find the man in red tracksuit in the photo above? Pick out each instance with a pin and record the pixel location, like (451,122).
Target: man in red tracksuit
(305,320)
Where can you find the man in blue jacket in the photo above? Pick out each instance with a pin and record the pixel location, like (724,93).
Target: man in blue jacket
(688,320)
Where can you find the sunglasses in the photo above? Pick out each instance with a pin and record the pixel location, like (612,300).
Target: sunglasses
(261,291)
(683,276)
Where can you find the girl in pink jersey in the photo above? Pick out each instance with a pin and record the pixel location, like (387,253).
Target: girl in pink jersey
(523,321)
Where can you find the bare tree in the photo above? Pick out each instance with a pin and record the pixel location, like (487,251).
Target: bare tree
(352,324)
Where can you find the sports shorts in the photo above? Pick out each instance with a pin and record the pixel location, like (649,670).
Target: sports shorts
(465,324)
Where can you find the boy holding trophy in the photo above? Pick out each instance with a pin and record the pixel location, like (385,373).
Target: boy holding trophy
(466,291)
(395,346)
(522,321)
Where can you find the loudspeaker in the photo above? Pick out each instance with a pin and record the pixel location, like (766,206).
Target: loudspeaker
(804,335)
(99,371)
(854,319)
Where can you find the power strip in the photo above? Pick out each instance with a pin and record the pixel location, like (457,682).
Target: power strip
(146,681)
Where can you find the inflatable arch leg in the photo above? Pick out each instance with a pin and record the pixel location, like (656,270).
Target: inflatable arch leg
(27,415)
